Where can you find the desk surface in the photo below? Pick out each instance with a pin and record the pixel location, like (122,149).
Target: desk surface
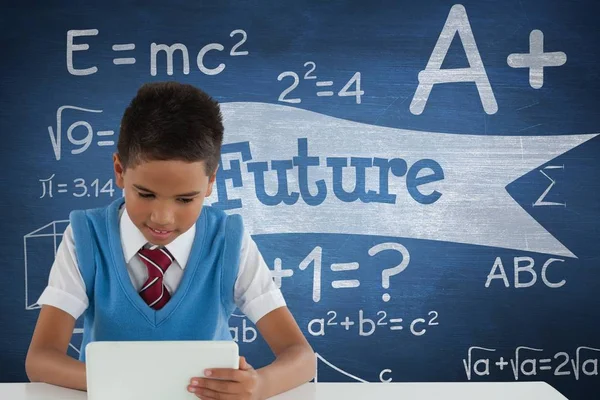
(346,391)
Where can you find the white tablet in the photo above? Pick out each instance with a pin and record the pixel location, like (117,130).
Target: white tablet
(152,370)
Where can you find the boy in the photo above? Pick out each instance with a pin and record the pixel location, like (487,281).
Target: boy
(158,265)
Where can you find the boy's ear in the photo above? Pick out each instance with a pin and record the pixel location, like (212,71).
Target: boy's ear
(211,181)
(119,171)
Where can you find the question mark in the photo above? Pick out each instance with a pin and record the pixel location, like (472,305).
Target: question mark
(386,273)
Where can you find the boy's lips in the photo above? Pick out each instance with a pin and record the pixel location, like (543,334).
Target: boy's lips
(159,233)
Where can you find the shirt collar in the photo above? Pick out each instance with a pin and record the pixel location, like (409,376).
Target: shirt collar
(132,240)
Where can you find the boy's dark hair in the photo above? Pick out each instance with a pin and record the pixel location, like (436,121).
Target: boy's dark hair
(171,121)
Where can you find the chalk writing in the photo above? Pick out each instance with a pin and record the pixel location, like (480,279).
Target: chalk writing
(523,265)
(79,187)
(343,92)
(314,261)
(532,362)
(82,143)
(156,49)
(541,201)
(364,326)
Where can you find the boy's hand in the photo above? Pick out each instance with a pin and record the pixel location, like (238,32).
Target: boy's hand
(228,384)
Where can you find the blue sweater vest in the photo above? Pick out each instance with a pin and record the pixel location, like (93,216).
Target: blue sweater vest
(198,310)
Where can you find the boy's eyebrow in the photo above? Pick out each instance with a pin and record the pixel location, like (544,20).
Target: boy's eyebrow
(140,187)
(189,194)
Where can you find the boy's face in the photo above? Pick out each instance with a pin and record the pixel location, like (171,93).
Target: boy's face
(164,198)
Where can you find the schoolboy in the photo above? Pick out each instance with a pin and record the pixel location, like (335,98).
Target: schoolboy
(159,265)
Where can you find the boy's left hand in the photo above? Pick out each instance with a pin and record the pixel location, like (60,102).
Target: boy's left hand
(228,384)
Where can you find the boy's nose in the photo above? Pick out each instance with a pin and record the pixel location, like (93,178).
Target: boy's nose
(162,217)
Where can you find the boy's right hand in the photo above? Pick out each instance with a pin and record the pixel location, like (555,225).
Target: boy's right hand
(229,384)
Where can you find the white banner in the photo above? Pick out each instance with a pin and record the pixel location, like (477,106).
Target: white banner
(424,185)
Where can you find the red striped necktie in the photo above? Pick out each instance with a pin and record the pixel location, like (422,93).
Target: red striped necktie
(154,292)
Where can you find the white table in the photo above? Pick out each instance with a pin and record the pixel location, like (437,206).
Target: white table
(344,391)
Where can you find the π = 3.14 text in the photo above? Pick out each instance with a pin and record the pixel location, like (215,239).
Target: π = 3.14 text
(79,187)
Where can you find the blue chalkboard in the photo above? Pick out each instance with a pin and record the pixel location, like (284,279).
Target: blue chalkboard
(421,177)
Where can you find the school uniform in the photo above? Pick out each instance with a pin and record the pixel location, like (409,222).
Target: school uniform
(101,272)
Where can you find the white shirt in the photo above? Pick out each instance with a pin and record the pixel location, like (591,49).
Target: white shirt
(255,293)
